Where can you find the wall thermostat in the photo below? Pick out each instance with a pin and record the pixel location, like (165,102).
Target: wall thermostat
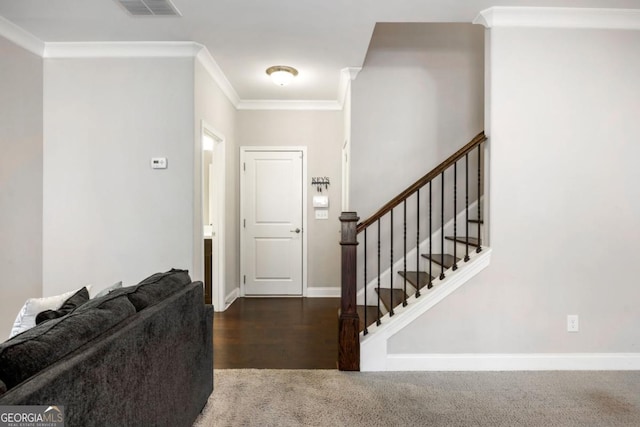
(158,162)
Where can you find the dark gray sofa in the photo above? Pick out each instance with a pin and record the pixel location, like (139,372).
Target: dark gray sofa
(152,365)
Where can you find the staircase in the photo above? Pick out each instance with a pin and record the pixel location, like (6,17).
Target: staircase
(437,267)
(410,274)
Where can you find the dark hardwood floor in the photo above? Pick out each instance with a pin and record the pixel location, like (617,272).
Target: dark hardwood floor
(277,333)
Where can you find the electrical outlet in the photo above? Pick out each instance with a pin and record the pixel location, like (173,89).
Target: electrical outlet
(572,323)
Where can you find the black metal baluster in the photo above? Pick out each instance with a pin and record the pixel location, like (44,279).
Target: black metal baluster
(365,283)
(442,229)
(479,248)
(404,208)
(466,205)
(430,285)
(391,313)
(455,215)
(417,246)
(378,321)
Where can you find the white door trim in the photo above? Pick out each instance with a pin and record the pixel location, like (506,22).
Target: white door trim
(303,149)
(218,241)
(346,174)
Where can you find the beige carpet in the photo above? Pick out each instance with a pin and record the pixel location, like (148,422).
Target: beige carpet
(251,397)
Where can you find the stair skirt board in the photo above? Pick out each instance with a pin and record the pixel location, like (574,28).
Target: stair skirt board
(514,362)
(398,266)
(373,346)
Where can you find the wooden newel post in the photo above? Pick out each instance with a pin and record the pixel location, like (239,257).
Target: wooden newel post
(349,323)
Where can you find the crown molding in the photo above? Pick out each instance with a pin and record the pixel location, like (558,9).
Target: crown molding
(559,17)
(211,66)
(347,75)
(69,50)
(277,104)
(20,37)
(74,50)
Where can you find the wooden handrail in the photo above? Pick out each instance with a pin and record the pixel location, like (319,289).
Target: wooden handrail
(478,139)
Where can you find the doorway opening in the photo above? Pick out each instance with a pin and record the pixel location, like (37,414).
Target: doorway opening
(213,215)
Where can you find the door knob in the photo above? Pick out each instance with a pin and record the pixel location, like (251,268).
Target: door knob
(297,230)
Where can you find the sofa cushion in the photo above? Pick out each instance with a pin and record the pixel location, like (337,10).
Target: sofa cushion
(30,352)
(155,288)
(73,302)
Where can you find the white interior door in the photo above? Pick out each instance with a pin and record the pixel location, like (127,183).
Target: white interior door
(272,223)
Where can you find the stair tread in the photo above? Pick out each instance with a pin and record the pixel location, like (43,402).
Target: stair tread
(372,315)
(419,279)
(385,297)
(473,241)
(437,258)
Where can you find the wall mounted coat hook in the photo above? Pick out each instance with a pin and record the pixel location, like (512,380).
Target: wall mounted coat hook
(319,182)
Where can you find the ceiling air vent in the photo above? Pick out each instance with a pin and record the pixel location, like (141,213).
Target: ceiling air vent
(150,7)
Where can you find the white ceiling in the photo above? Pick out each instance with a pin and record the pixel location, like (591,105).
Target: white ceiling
(245,37)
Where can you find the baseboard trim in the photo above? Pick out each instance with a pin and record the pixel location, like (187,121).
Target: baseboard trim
(515,362)
(323,292)
(231,297)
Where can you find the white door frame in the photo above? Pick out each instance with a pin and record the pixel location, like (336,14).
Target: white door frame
(218,193)
(346,174)
(305,229)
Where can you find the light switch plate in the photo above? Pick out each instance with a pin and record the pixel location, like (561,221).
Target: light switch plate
(320,201)
(322,213)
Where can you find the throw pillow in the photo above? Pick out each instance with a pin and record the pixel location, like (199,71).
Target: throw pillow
(73,302)
(30,352)
(26,318)
(108,290)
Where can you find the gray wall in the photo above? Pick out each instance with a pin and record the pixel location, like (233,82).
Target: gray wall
(564,202)
(322,133)
(212,106)
(107,215)
(418,98)
(20,180)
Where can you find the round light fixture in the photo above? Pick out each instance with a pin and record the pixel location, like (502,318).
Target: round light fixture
(282,74)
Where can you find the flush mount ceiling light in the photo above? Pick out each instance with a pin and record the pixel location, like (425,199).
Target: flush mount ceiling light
(282,74)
